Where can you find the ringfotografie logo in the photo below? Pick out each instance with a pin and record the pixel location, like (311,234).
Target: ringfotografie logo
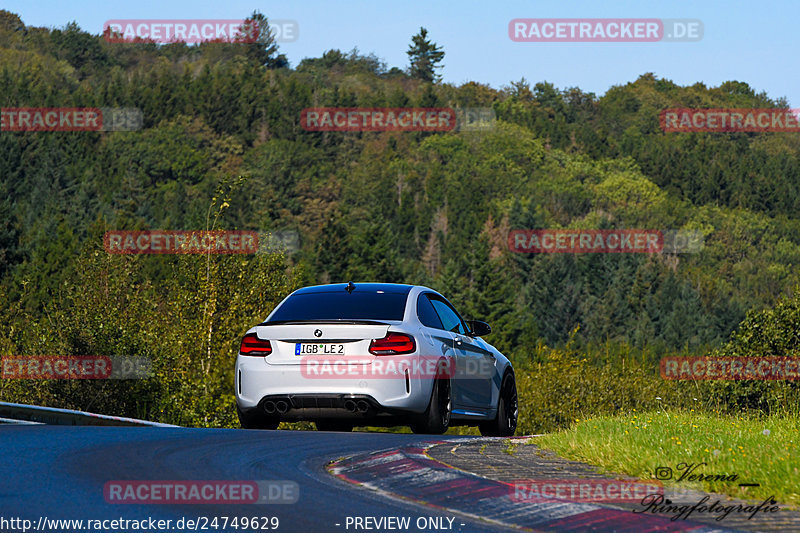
(675,502)
(658,504)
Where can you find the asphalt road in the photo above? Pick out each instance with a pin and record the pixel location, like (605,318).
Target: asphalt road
(59,472)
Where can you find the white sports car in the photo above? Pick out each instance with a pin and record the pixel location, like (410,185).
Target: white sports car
(373,354)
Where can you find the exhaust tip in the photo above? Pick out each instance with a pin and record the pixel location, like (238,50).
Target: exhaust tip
(362,406)
(269,407)
(350,405)
(281,406)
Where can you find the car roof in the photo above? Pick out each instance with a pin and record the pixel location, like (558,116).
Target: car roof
(391,288)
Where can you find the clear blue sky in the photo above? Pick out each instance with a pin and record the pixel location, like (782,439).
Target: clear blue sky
(746,40)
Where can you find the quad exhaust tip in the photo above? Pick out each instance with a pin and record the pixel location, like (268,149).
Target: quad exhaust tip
(360,406)
(281,406)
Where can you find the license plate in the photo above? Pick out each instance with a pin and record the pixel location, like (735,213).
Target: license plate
(306,348)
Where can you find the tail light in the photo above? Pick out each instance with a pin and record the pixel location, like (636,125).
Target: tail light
(392,344)
(252,345)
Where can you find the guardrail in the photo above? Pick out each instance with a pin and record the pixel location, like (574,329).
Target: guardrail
(20,422)
(68,417)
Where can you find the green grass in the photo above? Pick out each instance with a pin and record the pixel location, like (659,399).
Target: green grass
(763,450)
(511,447)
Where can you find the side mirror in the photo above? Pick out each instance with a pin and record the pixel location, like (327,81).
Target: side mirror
(478,328)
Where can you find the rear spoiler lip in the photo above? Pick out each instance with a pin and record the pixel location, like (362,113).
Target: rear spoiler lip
(331,321)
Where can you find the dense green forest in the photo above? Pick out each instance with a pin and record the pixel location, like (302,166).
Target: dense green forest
(221,146)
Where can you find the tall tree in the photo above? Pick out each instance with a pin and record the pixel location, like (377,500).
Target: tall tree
(263,48)
(425,57)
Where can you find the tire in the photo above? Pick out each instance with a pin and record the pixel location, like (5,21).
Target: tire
(333,425)
(255,419)
(436,418)
(505,423)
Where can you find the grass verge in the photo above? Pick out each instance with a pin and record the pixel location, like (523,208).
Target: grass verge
(760,450)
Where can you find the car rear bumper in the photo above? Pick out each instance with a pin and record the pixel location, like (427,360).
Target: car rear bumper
(257,383)
(326,406)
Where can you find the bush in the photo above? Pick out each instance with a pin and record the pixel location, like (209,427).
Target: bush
(557,387)
(188,325)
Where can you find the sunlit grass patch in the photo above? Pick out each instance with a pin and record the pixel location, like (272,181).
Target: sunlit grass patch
(756,450)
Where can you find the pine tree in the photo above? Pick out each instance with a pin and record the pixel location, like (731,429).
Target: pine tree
(425,57)
(263,51)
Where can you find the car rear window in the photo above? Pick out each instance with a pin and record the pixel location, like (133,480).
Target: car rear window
(364,305)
